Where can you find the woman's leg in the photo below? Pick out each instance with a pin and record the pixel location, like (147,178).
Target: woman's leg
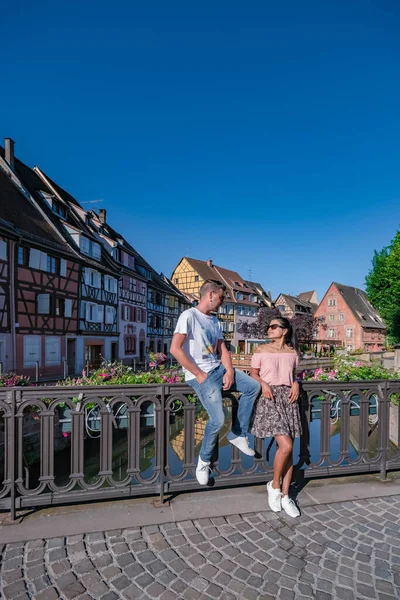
(287,475)
(283,453)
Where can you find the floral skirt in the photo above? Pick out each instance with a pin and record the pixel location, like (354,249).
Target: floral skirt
(277,416)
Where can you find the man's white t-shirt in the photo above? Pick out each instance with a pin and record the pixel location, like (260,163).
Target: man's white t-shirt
(202,335)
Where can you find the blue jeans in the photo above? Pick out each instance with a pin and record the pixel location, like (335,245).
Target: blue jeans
(210,395)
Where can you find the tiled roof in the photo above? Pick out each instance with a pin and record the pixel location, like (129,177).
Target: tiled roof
(357,301)
(294,301)
(306,296)
(23,217)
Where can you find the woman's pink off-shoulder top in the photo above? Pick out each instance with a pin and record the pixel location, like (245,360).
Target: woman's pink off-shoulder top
(276,368)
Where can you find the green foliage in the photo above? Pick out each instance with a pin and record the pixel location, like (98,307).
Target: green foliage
(383,286)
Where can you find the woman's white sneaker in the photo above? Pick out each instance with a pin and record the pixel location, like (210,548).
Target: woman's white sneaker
(202,471)
(274,497)
(290,507)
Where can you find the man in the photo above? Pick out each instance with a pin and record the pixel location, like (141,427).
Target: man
(198,345)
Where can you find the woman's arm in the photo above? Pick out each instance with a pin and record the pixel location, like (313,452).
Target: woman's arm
(265,388)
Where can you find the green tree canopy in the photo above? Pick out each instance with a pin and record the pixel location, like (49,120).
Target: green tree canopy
(383,286)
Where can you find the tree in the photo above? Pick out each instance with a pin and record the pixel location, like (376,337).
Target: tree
(304,324)
(257,330)
(383,286)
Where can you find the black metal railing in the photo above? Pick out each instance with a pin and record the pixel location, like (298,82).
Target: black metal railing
(64,444)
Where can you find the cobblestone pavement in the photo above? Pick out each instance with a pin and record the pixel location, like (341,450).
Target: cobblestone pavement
(339,551)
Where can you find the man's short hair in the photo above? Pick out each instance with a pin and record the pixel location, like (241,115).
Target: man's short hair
(211,285)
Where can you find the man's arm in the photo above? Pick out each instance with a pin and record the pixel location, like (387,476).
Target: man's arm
(178,352)
(229,376)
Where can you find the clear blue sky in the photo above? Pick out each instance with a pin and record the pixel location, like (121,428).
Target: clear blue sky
(262,134)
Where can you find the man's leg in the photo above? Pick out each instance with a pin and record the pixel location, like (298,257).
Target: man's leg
(249,388)
(210,395)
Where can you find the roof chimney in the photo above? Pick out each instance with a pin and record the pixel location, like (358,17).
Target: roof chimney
(9,147)
(209,263)
(102,215)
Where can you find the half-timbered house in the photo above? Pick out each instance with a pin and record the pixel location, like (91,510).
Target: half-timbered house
(99,276)
(43,274)
(132,308)
(96,274)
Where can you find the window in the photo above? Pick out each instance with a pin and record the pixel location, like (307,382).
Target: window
(43,304)
(139,315)
(53,264)
(127,313)
(23,256)
(3,250)
(349,332)
(331,333)
(331,317)
(94,313)
(132,284)
(341,317)
(60,307)
(93,278)
(281,307)
(196,277)
(176,280)
(67,307)
(118,254)
(110,315)
(90,247)
(110,284)
(59,209)
(130,344)
(332,302)
(52,351)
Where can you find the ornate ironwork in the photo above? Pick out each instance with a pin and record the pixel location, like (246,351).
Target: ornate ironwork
(108,411)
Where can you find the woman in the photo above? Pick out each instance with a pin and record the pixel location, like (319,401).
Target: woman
(277,413)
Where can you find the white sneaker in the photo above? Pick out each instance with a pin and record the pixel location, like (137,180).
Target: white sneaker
(290,507)
(243,444)
(202,471)
(274,497)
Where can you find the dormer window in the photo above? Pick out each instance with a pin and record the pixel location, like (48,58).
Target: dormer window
(59,209)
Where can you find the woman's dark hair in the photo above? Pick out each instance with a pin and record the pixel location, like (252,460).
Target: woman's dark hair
(290,335)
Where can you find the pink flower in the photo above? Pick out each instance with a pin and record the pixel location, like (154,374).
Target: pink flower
(332,374)
(65,434)
(152,364)
(84,373)
(359,364)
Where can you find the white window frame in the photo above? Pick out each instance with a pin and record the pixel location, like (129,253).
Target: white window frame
(349,335)
(127,313)
(43,304)
(331,318)
(341,317)
(331,333)
(139,315)
(63,267)
(68,307)
(109,315)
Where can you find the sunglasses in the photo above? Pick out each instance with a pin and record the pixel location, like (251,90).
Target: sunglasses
(275,326)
